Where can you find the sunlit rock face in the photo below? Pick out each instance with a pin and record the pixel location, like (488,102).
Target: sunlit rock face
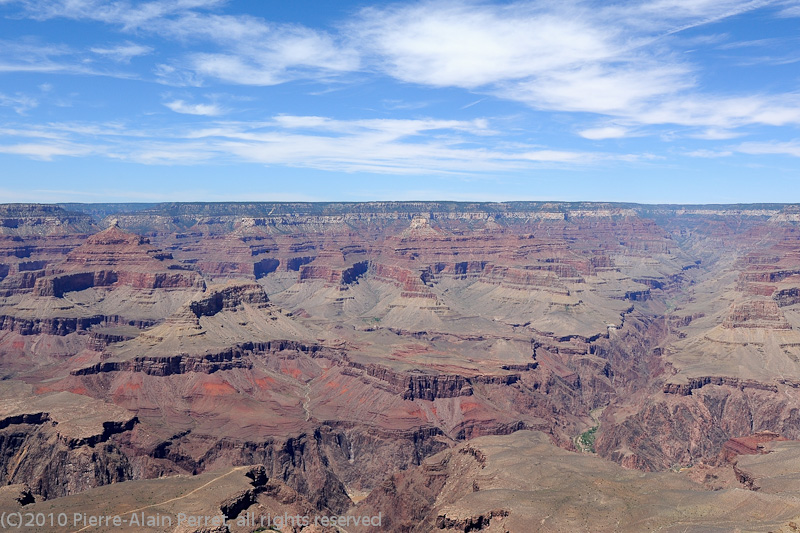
(336,345)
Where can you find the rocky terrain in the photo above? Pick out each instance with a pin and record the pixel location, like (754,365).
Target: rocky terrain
(521,482)
(438,363)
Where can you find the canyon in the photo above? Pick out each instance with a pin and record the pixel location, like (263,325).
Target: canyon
(520,366)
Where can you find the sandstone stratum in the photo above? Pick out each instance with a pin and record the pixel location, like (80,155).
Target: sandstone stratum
(523,366)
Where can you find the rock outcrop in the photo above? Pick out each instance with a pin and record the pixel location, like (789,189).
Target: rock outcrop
(520,481)
(340,346)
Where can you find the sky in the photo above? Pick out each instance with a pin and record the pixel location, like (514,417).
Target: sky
(661,101)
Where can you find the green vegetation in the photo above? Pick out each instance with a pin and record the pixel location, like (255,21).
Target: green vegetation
(586,439)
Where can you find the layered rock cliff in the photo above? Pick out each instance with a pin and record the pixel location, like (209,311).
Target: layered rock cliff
(338,344)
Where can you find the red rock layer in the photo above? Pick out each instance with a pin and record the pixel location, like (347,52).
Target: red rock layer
(114,257)
(749,445)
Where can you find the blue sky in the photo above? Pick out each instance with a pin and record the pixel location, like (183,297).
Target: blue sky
(663,101)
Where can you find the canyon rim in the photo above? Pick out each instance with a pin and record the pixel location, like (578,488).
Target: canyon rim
(439,365)
(458,266)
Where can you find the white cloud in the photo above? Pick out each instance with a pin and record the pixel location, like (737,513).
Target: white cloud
(251,51)
(18,102)
(607,132)
(123,53)
(291,121)
(709,153)
(179,106)
(715,134)
(612,59)
(395,104)
(385,128)
(44,152)
(723,112)
(791,11)
(263,54)
(233,68)
(386,146)
(28,55)
(468,45)
(618,60)
(749,44)
(169,75)
(791,148)
(560,156)
(45,68)
(685,14)
(128,15)
(422,146)
(383,145)
(166,153)
(613,90)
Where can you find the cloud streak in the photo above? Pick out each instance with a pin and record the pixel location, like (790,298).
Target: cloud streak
(250,50)
(123,53)
(790,148)
(616,60)
(385,146)
(18,102)
(179,106)
(44,151)
(620,63)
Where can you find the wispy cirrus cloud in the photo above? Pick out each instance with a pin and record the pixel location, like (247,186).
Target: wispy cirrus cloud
(621,61)
(715,134)
(18,102)
(262,54)
(784,148)
(179,106)
(45,151)
(33,56)
(754,43)
(123,53)
(605,132)
(724,111)
(127,14)
(385,146)
(709,154)
(790,148)
(791,10)
(251,50)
